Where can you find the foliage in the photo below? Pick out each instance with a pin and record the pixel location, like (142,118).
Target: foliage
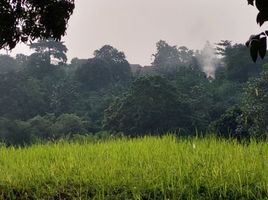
(256,104)
(108,68)
(63,96)
(14,132)
(174,94)
(75,64)
(228,123)
(94,75)
(166,55)
(118,66)
(192,83)
(21,97)
(168,59)
(8,64)
(43,128)
(38,66)
(47,60)
(25,20)
(68,124)
(237,65)
(53,49)
(258,43)
(225,95)
(110,54)
(152,105)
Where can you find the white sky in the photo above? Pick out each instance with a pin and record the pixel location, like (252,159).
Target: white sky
(134,26)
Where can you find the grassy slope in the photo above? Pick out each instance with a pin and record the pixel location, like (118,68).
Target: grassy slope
(148,168)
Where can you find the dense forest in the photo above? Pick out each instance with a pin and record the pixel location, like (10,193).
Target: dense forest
(216,90)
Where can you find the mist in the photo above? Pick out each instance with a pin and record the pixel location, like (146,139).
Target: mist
(207,60)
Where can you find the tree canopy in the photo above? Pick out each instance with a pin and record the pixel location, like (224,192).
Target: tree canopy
(102,94)
(52,48)
(151,105)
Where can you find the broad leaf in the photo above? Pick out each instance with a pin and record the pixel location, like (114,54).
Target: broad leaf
(262,47)
(248,43)
(261,5)
(262,17)
(254,49)
(252,37)
(251,2)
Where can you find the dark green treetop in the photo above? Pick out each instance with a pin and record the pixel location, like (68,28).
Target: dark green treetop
(52,48)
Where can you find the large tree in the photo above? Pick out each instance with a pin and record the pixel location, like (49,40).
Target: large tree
(94,75)
(52,49)
(168,59)
(238,65)
(22,97)
(27,20)
(108,67)
(116,60)
(152,105)
(256,104)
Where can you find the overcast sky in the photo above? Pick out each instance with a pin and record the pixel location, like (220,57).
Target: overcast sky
(134,26)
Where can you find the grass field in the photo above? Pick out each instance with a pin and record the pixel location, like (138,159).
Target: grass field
(146,168)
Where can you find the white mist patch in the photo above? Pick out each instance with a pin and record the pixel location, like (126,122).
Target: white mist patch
(207,60)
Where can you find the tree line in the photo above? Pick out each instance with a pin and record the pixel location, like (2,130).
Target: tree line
(183,91)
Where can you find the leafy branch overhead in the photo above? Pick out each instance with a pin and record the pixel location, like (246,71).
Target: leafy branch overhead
(27,20)
(258,43)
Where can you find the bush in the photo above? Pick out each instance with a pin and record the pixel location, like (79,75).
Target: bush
(15,132)
(68,124)
(40,127)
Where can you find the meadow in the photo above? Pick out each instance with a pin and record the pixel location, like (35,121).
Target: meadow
(143,168)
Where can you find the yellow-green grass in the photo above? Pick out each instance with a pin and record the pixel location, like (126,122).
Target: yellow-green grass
(145,168)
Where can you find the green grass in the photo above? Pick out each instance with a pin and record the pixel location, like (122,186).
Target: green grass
(146,168)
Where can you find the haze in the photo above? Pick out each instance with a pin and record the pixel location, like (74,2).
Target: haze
(134,26)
